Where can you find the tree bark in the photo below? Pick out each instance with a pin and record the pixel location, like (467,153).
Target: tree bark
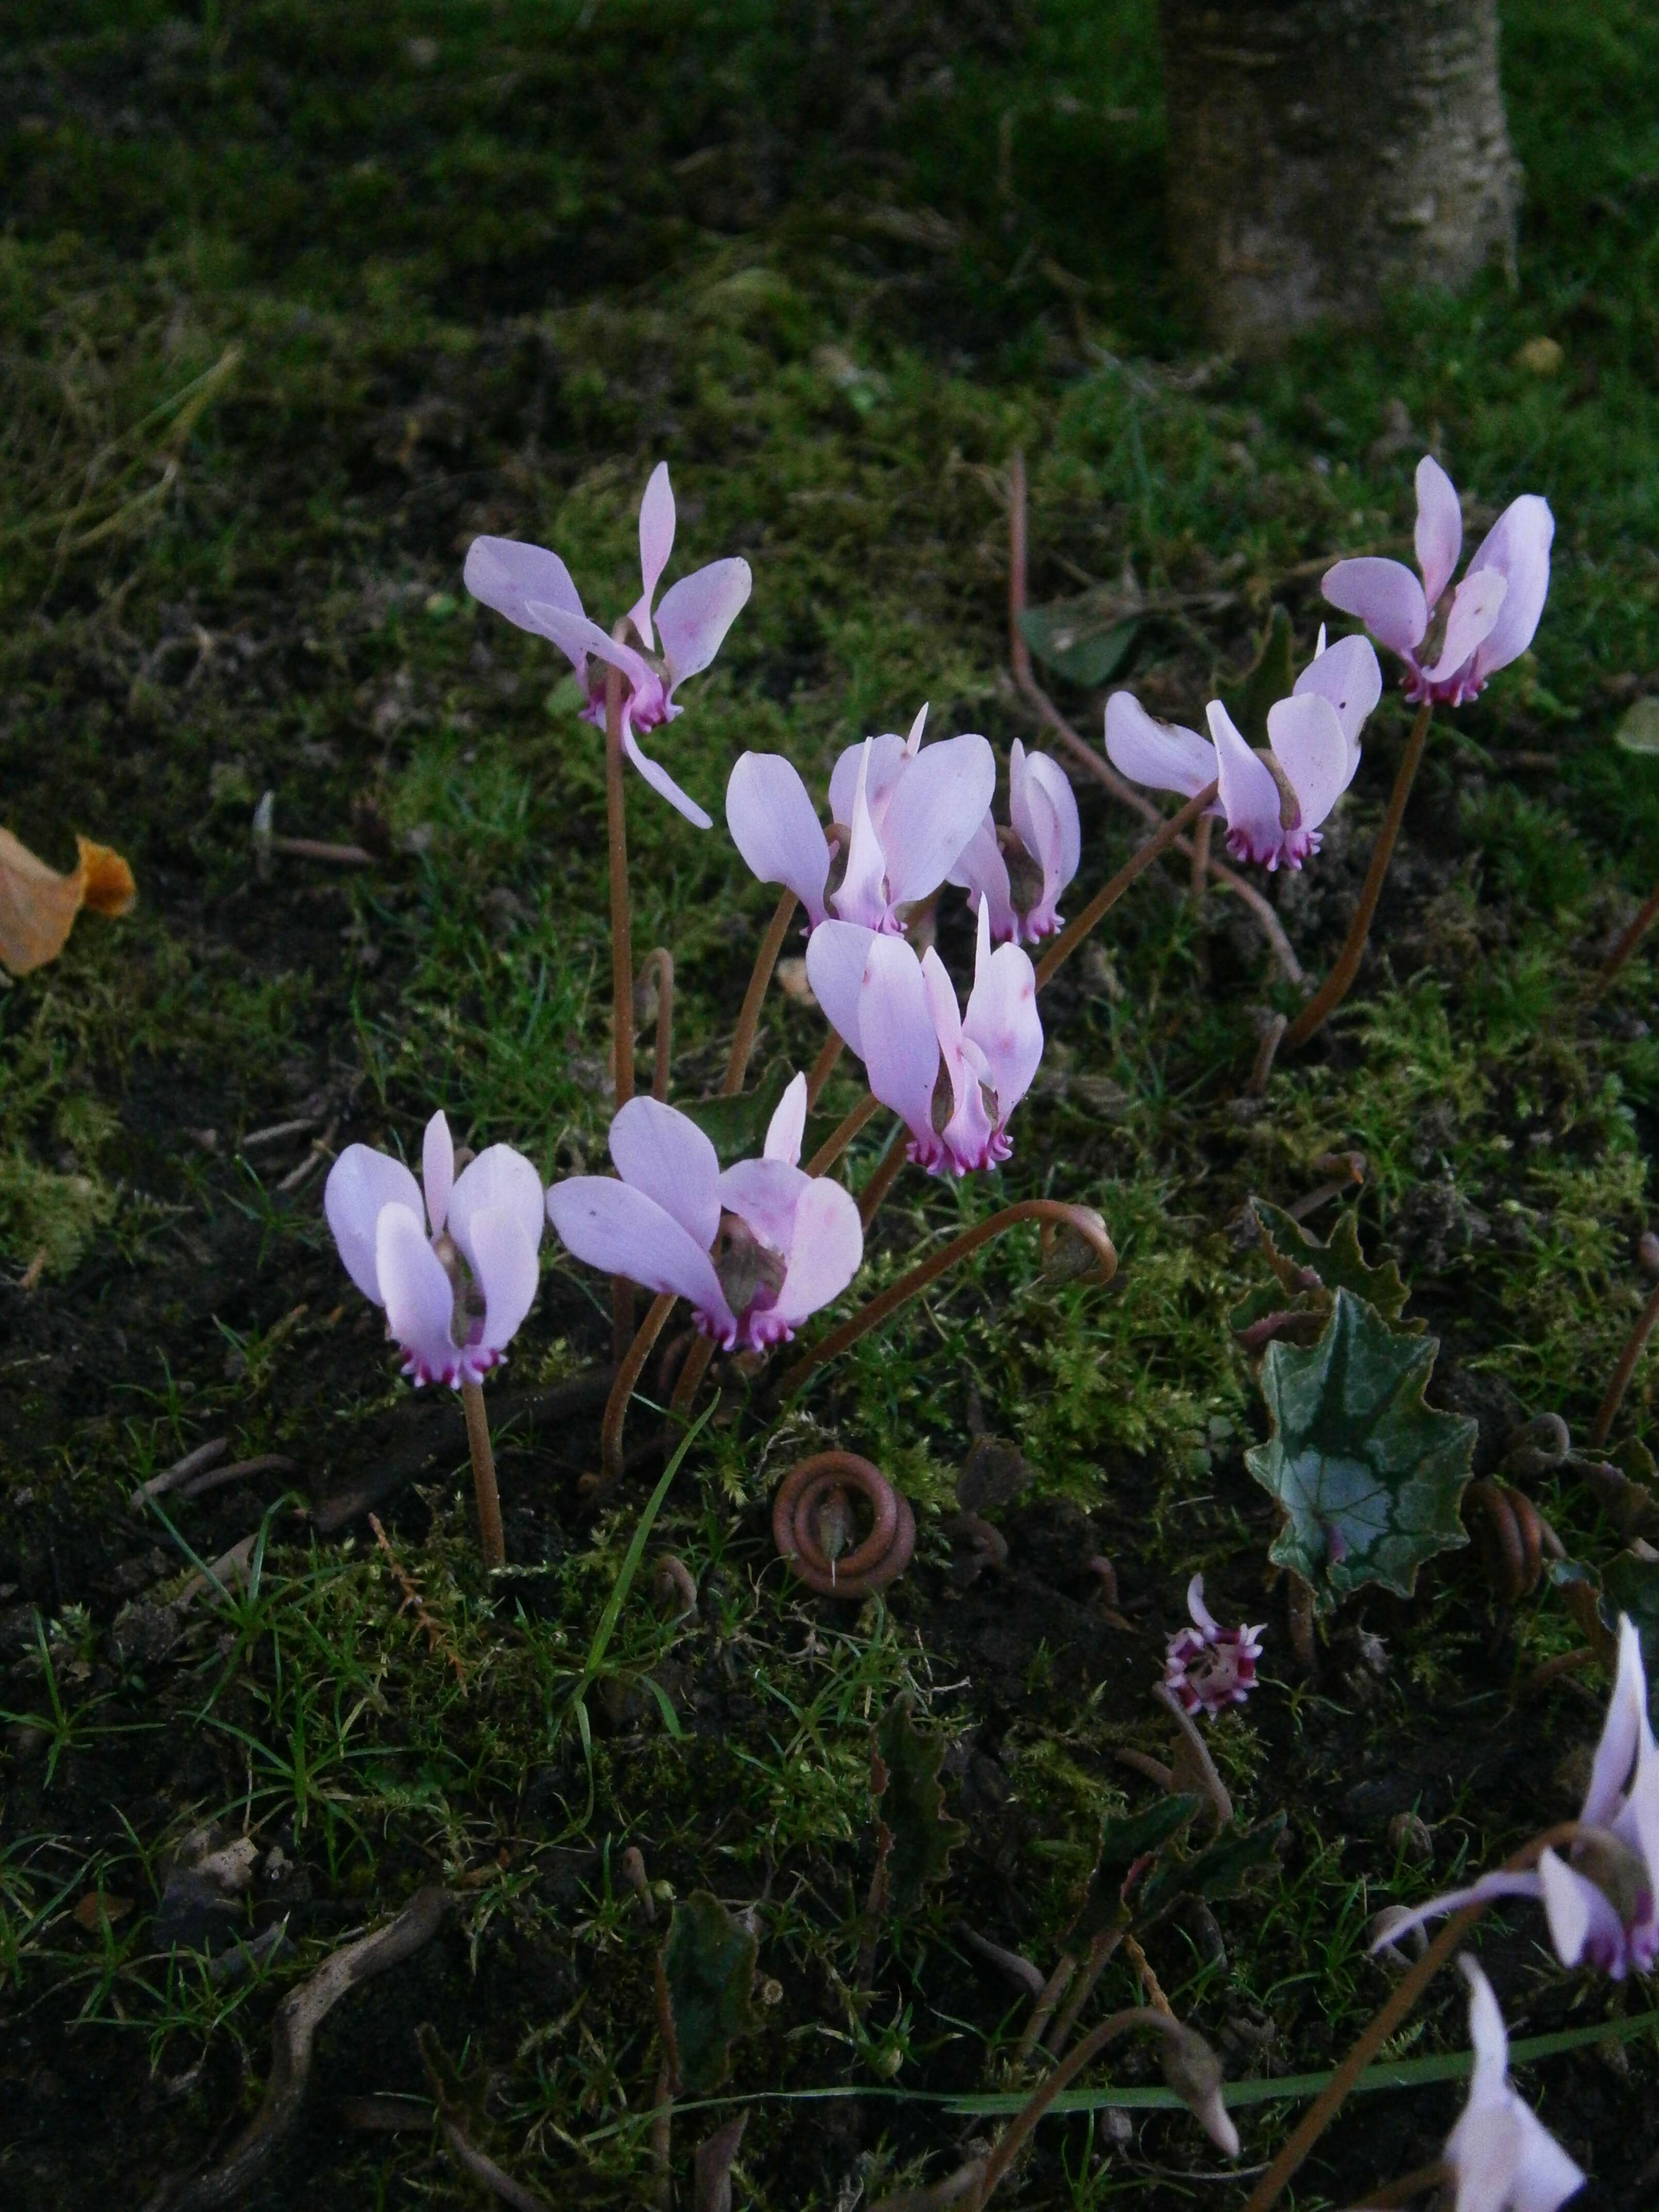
(1323,151)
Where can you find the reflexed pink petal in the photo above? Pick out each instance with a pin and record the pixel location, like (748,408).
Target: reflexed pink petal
(1161,753)
(862,896)
(666,1155)
(765,1194)
(969,1131)
(1307,739)
(1002,1020)
(420,1300)
(1348,676)
(1622,1731)
(506,574)
(503,1178)
(1249,796)
(662,783)
(359,1184)
(895,1027)
(616,1228)
(575,636)
(983,872)
(825,1251)
(775,827)
(1477,1893)
(1475,608)
(834,967)
(1387,598)
(1439,528)
(1046,797)
(695,613)
(941,798)
(887,762)
(503,1263)
(1518,545)
(918,723)
(1581,1919)
(787,1126)
(656,544)
(438,1171)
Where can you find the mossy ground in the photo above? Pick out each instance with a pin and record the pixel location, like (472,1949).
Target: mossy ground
(294,301)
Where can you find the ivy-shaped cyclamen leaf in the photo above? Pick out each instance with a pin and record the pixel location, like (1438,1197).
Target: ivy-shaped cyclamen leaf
(708,1964)
(736,1127)
(904,1779)
(1307,1273)
(1218,1872)
(1368,1476)
(1127,1841)
(1086,645)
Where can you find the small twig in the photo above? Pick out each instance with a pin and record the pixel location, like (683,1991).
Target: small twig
(409,1590)
(1044,2010)
(749,1014)
(1267,1052)
(1020,1970)
(1635,1344)
(1102,1950)
(279,1132)
(179,1472)
(217,1477)
(1627,941)
(482,2168)
(319,1150)
(1108,895)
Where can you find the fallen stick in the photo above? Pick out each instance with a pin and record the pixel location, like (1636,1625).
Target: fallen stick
(179,1472)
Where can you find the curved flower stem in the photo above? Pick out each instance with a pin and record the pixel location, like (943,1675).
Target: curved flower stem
(616,1405)
(622,961)
(823,1068)
(838,1140)
(1324,2108)
(887,1170)
(659,963)
(1628,941)
(491,1541)
(1335,988)
(1007,2149)
(1087,1224)
(743,1041)
(1635,1345)
(696,1366)
(1086,756)
(1109,894)
(1201,862)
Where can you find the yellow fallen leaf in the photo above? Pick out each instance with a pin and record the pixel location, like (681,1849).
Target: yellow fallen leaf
(38,906)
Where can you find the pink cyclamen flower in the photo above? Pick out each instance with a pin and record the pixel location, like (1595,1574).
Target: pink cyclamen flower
(1502,2157)
(1452,641)
(533,588)
(902,812)
(900,1014)
(1020,871)
(1208,1667)
(1274,800)
(1600,1900)
(454,1298)
(753,1250)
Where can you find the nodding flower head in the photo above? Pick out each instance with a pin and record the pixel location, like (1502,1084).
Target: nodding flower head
(1274,800)
(1451,642)
(902,812)
(1601,1899)
(1208,1667)
(455,1266)
(1019,871)
(533,588)
(900,1015)
(753,1249)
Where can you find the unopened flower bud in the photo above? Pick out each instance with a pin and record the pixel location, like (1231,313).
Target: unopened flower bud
(1194,2072)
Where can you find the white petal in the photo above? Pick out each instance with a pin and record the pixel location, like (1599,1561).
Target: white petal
(1454,1900)
(940,801)
(612,1226)
(1439,527)
(862,896)
(765,1194)
(787,1126)
(1308,742)
(1476,605)
(825,1251)
(1518,545)
(1486,2033)
(899,1049)
(420,1300)
(667,1155)
(664,784)
(1576,1908)
(506,574)
(359,1184)
(1051,805)
(695,613)
(656,544)
(834,967)
(888,760)
(969,1132)
(1002,1020)
(498,1177)
(1621,1731)
(1387,598)
(503,1263)
(574,636)
(438,1171)
(1249,796)
(775,827)
(912,742)
(983,872)
(1161,753)
(1348,676)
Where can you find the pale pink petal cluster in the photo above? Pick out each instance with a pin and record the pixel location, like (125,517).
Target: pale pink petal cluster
(1502,2157)
(1208,1667)
(1600,1900)
(753,1250)
(901,813)
(533,588)
(1274,800)
(1019,871)
(455,1266)
(1452,641)
(900,1015)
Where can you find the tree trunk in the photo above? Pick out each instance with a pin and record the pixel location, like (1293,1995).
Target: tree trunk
(1321,151)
